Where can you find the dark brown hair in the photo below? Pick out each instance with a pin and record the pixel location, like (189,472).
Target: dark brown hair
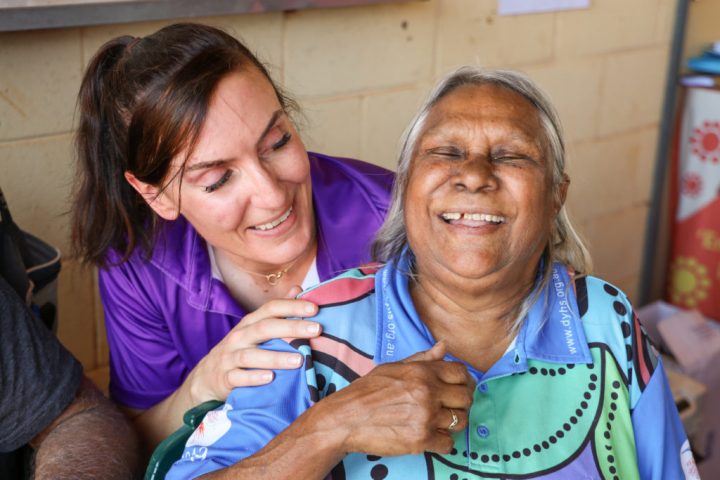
(141,103)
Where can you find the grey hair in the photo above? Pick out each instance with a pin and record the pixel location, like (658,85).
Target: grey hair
(565,245)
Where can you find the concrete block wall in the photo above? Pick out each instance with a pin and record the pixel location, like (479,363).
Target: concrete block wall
(360,73)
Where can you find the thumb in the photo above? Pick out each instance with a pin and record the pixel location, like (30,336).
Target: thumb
(294,291)
(437,352)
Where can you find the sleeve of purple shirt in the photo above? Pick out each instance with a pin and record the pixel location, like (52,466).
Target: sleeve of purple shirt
(137,336)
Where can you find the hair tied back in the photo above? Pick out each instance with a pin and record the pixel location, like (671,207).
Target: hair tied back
(131,44)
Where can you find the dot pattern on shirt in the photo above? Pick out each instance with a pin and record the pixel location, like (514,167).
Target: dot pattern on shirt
(638,350)
(570,425)
(581,296)
(604,405)
(610,458)
(614,449)
(589,414)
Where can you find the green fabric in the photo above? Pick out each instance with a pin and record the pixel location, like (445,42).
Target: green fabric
(615,449)
(578,414)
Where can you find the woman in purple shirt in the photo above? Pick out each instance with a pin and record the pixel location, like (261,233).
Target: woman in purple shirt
(200,205)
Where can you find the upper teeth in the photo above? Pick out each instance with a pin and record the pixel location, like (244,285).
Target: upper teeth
(274,223)
(482,217)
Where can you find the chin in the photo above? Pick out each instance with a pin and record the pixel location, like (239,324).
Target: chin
(472,263)
(291,250)
(473,273)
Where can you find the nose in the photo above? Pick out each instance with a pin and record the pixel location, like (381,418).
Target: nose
(266,190)
(475,174)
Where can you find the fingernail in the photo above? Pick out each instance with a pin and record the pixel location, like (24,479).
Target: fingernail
(310,308)
(264,377)
(294,360)
(313,328)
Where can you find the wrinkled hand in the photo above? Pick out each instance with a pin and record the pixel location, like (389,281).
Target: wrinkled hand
(237,361)
(404,407)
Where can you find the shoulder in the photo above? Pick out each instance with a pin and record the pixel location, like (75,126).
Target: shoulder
(349,287)
(174,245)
(601,301)
(347,313)
(125,274)
(351,200)
(606,312)
(609,319)
(372,181)
(351,167)
(151,286)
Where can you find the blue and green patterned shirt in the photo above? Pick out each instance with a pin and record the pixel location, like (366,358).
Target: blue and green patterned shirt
(580,393)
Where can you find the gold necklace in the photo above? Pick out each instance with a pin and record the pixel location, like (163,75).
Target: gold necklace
(272,278)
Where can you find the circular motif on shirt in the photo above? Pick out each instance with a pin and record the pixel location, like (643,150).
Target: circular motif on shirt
(599,421)
(320,381)
(626,330)
(379,472)
(357,466)
(609,289)
(550,421)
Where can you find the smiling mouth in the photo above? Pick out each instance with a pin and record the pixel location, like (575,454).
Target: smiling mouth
(464,218)
(269,226)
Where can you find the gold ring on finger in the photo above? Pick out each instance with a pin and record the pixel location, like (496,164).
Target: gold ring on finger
(454,422)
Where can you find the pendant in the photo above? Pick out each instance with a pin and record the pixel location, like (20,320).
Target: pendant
(274,278)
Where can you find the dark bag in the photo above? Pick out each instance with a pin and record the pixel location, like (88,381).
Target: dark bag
(30,266)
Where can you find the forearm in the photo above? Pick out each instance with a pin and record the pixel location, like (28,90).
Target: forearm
(158,422)
(397,409)
(93,439)
(309,448)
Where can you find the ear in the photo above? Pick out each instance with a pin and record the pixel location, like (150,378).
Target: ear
(561,193)
(161,203)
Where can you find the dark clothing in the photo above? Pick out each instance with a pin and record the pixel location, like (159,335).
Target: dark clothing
(38,378)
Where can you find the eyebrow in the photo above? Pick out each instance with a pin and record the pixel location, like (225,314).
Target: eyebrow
(214,163)
(204,165)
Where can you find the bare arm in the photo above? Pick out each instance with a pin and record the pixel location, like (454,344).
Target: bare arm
(286,456)
(90,439)
(397,409)
(155,424)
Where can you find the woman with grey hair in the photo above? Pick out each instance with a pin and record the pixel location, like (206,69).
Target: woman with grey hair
(481,267)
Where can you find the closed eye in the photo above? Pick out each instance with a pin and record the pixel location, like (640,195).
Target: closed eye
(517,154)
(514,159)
(282,142)
(508,158)
(221,181)
(448,152)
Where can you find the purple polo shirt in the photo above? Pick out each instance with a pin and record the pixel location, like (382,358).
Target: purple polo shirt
(163,315)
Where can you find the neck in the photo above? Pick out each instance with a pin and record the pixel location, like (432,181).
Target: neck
(252,289)
(472,316)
